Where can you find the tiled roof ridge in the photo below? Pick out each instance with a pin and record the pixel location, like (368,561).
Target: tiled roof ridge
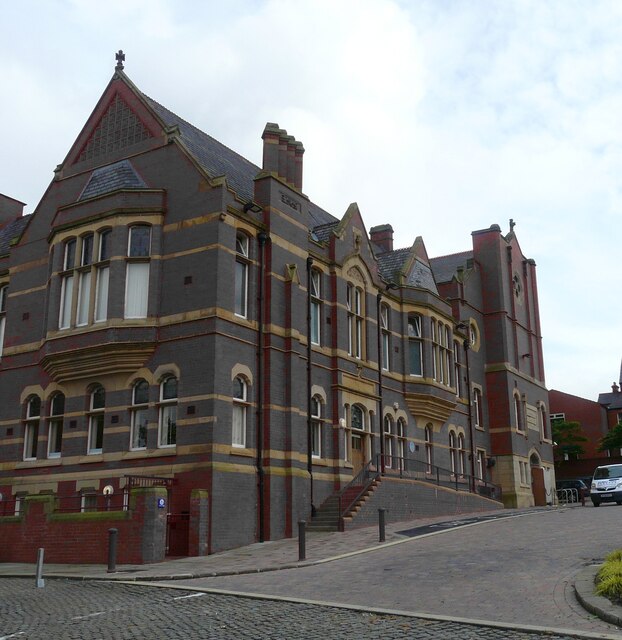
(451,255)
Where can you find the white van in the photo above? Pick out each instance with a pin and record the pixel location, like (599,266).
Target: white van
(607,484)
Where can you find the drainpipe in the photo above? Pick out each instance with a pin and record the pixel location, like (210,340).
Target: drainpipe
(262,238)
(470,416)
(380,416)
(309,398)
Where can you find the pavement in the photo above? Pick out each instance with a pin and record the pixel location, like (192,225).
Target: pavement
(321,548)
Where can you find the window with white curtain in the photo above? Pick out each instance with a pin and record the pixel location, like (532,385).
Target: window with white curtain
(55,422)
(137,272)
(139,413)
(168,413)
(31,428)
(96,421)
(240,410)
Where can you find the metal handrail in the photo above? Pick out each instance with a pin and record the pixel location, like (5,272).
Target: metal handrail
(424,472)
(567,495)
(364,478)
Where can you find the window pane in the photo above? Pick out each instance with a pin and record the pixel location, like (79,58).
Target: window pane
(168,425)
(31,440)
(58,405)
(137,290)
(357,418)
(241,245)
(98,398)
(414,327)
(140,240)
(2,323)
(84,296)
(101,294)
(34,407)
(238,430)
(96,433)
(55,438)
(241,270)
(66,302)
(87,250)
(169,389)
(104,245)
(316,439)
(415,357)
(141,392)
(315,284)
(70,255)
(315,323)
(139,429)
(3,293)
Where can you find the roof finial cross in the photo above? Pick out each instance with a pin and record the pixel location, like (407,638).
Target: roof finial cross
(120,57)
(512,224)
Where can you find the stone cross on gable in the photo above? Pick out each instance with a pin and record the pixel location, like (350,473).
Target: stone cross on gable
(120,57)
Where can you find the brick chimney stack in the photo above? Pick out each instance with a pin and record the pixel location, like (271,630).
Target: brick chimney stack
(282,155)
(10,209)
(382,235)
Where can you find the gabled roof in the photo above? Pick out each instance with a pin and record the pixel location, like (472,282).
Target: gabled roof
(119,175)
(213,156)
(610,400)
(11,231)
(445,267)
(322,232)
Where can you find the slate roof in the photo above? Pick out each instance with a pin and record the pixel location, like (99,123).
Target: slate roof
(444,267)
(120,175)
(10,231)
(322,232)
(390,263)
(213,156)
(611,400)
(421,276)
(218,160)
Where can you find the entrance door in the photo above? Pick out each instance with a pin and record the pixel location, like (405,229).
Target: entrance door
(537,486)
(358,452)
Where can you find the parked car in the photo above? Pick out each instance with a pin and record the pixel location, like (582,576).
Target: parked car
(607,484)
(571,496)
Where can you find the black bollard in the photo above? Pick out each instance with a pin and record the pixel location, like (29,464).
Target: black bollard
(112,550)
(381,535)
(302,547)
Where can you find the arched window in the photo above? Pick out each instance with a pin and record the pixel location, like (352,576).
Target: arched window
(544,423)
(3,295)
(102,277)
(168,413)
(388,441)
(316,427)
(316,305)
(31,428)
(97,405)
(241,275)
(461,454)
(457,376)
(240,411)
(429,451)
(354,305)
(401,443)
(453,452)
(518,412)
(139,422)
(358,418)
(477,408)
(386,336)
(415,352)
(55,429)
(137,271)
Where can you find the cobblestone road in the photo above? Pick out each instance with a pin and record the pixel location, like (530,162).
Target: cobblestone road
(99,610)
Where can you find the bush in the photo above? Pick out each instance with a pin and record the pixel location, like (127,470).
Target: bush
(609,578)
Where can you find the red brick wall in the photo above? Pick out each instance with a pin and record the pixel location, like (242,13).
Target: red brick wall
(75,538)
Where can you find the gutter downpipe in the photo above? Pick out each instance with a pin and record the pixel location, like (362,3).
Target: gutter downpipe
(309,378)
(262,238)
(380,416)
(466,346)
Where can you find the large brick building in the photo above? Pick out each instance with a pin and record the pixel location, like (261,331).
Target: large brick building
(173,313)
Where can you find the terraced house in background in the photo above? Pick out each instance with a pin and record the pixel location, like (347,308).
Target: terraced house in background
(188,337)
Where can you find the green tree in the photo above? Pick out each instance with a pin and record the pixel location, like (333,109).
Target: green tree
(613,440)
(568,436)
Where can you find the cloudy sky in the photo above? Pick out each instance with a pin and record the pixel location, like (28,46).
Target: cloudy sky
(437,116)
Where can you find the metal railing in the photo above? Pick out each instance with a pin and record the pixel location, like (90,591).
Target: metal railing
(347,497)
(92,502)
(149,481)
(395,466)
